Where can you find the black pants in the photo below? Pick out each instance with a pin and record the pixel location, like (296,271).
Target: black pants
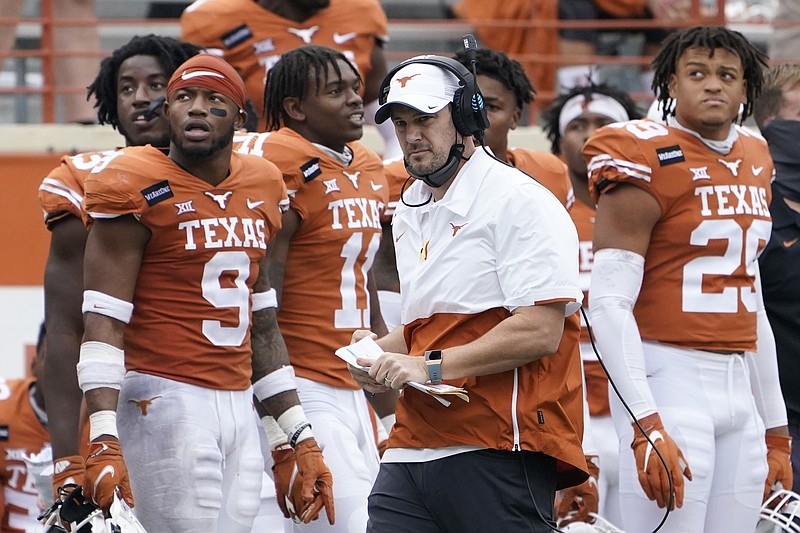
(482,491)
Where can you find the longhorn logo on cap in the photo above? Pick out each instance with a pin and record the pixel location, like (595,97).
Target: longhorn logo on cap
(405,79)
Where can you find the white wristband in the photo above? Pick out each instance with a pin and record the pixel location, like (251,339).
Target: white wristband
(103,423)
(107,305)
(294,424)
(275,435)
(275,382)
(265,300)
(100,365)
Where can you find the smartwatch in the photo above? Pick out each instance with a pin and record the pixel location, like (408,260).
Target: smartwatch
(433,361)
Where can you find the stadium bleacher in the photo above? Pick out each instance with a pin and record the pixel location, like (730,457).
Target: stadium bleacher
(416,26)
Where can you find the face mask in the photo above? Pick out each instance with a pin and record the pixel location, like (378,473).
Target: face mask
(784,145)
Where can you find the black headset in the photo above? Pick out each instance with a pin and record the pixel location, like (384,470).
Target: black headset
(469,111)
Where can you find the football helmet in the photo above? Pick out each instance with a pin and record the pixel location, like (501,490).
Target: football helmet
(600,525)
(781,512)
(74,513)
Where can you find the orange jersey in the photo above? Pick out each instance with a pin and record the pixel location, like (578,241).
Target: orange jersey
(396,175)
(61,192)
(252,38)
(699,272)
(191,318)
(324,296)
(21,434)
(596,380)
(547,169)
(582,216)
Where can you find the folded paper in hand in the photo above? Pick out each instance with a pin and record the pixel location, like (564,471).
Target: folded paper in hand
(367,348)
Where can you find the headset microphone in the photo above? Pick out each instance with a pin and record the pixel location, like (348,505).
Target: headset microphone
(470,48)
(439,177)
(153,109)
(476,99)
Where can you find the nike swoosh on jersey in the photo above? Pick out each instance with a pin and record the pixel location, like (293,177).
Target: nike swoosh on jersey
(376,187)
(341,38)
(789,244)
(756,170)
(108,469)
(397,239)
(252,205)
(654,437)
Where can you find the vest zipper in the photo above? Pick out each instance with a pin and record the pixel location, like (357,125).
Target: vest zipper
(514,421)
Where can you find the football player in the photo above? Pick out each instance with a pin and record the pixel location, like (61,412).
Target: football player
(252,35)
(320,261)
(568,122)
(129,81)
(675,300)
(179,319)
(506,91)
(23,432)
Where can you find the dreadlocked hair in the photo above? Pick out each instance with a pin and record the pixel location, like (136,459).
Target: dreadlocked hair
(500,67)
(170,53)
(754,61)
(289,78)
(552,114)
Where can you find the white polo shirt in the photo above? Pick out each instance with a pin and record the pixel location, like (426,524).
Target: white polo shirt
(496,239)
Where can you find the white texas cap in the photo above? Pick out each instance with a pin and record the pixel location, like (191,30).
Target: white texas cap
(423,87)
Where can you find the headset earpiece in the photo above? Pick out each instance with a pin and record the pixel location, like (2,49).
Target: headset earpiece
(469,111)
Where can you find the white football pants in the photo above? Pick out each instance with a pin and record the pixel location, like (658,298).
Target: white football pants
(342,424)
(707,407)
(193,455)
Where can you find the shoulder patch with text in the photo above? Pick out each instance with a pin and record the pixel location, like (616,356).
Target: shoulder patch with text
(157,193)
(670,155)
(310,169)
(236,36)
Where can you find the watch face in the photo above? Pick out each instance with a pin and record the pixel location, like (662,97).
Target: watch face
(433,355)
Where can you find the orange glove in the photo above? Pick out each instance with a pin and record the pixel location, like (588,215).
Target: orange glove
(105,471)
(288,493)
(652,475)
(317,481)
(577,502)
(67,470)
(779,454)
